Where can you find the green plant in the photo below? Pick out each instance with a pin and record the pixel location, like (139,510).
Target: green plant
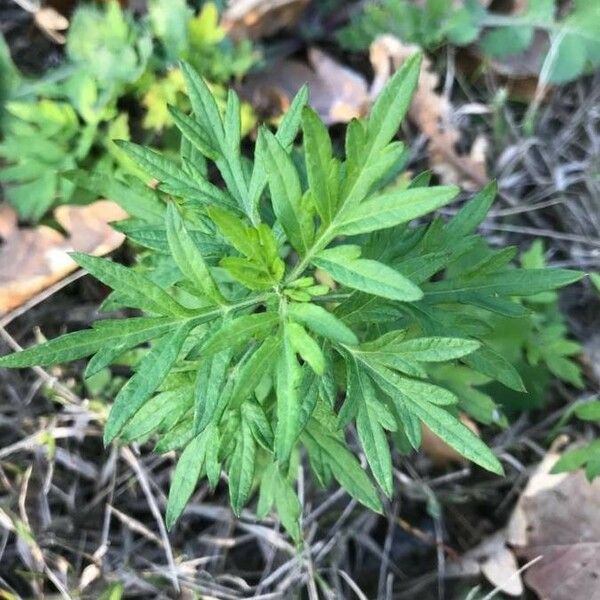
(428,25)
(536,343)
(291,303)
(107,47)
(66,119)
(200,40)
(572,45)
(586,457)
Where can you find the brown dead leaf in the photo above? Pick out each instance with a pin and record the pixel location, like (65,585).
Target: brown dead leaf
(52,23)
(337,93)
(519,72)
(340,94)
(259,18)
(438,451)
(501,569)
(32,259)
(557,518)
(495,561)
(432,113)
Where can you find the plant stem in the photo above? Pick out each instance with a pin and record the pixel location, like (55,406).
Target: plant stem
(206,315)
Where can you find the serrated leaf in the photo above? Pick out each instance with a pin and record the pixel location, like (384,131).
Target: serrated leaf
(232,123)
(266,496)
(133,288)
(83,343)
(151,372)
(387,341)
(470,216)
(210,378)
(419,391)
(247,272)
(174,179)
(306,347)
(286,133)
(322,322)
(103,358)
(286,194)
(186,475)
(203,104)
(230,164)
(355,144)
(288,506)
(241,468)
(288,381)
(309,396)
(239,331)
(318,157)
(259,424)
(176,438)
(234,230)
(394,208)
(213,465)
(516,282)
(435,349)
(345,468)
(443,424)
(138,201)
(195,132)
(367,275)
(409,426)
(256,367)
(390,358)
(392,103)
(164,407)
(371,435)
(494,365)
(188,257)
(363,177)
(154,237)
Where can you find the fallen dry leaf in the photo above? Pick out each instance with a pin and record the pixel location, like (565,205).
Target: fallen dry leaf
(432,114)
(259,18)
(52,23)
(557,518)
(501,569)
(519,72)
(32,259)
(495,561)
(541,481)
(340,94)
(438,451)
(337,93)
(523,65)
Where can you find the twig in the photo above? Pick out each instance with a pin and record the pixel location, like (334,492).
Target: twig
(359,593)
(131,459)
(64,392)
(45,294)
(496,590)
(555,235)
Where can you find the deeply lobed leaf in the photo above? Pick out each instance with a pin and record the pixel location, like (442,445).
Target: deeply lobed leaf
(284,307)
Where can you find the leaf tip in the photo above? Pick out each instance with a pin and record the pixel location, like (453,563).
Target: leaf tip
(497,468)
(109,434)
